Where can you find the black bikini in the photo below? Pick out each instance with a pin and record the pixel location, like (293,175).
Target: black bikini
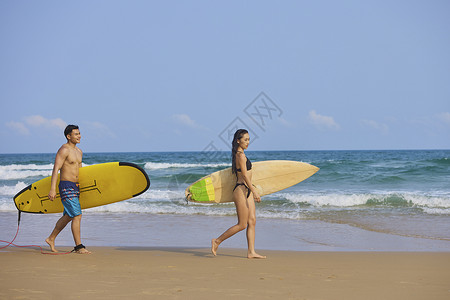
(249,167)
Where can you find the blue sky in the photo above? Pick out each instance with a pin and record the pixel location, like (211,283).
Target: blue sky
(180,75)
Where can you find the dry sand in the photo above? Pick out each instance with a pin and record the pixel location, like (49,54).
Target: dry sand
(177,273)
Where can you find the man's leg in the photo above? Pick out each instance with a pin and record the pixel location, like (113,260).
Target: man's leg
(62,222)
(76,232)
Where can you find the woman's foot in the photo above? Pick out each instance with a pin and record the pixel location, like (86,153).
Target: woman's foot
(255,255)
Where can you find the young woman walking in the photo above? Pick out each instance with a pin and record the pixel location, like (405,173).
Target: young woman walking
(244,195)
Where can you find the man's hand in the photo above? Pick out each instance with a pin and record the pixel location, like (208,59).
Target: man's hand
(52,195)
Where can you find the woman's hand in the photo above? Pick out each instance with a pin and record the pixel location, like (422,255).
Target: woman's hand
(256,196)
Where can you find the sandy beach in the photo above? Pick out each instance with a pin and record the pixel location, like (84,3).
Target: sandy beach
(190,273)
(333,237)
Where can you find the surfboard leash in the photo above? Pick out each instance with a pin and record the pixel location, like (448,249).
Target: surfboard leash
(28,246)
(17,232)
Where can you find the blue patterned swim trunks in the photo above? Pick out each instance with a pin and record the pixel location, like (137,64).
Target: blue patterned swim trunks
(70,194)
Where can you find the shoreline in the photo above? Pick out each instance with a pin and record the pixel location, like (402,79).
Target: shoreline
(194,273)
(166,230)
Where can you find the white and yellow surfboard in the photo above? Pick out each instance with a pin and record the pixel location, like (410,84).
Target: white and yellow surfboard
(99,185)
(268,177)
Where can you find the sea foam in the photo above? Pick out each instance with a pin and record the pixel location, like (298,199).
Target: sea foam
(158,166)
(7,190)
(11,172)
(384,199)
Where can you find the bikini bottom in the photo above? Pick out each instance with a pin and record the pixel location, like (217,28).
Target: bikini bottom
(238,184)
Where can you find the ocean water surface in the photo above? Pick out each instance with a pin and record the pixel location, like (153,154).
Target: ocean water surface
(358,200)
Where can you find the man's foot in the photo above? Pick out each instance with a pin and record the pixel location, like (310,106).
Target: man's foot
(83,251)
(255,255)
(80,249)
(51,243)
(214,246)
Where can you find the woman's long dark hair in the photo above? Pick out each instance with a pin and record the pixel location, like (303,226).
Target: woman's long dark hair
(234,147)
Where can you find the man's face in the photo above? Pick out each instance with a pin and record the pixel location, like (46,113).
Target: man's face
(74,137)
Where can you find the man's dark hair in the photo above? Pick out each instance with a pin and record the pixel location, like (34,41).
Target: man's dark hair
(69,129)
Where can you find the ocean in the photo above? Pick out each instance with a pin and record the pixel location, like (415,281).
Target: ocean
(357,201)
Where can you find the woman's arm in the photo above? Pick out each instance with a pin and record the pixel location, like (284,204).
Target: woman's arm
(241,161)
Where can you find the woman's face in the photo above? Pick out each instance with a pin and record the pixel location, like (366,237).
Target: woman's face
(244,141)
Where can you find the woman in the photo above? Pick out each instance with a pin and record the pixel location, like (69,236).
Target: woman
(244,195)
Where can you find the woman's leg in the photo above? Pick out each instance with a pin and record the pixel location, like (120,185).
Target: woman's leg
(242,214)
(251,228)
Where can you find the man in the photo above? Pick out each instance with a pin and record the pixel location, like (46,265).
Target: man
(68,161)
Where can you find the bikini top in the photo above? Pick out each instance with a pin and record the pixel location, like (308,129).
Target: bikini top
(249,165)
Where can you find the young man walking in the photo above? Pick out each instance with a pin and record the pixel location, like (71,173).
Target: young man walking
(68,162)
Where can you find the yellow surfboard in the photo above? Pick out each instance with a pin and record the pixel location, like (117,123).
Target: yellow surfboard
(99,185)
(268,177)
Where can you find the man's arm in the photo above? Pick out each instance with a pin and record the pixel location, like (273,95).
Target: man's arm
(80,165)
(61,156)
